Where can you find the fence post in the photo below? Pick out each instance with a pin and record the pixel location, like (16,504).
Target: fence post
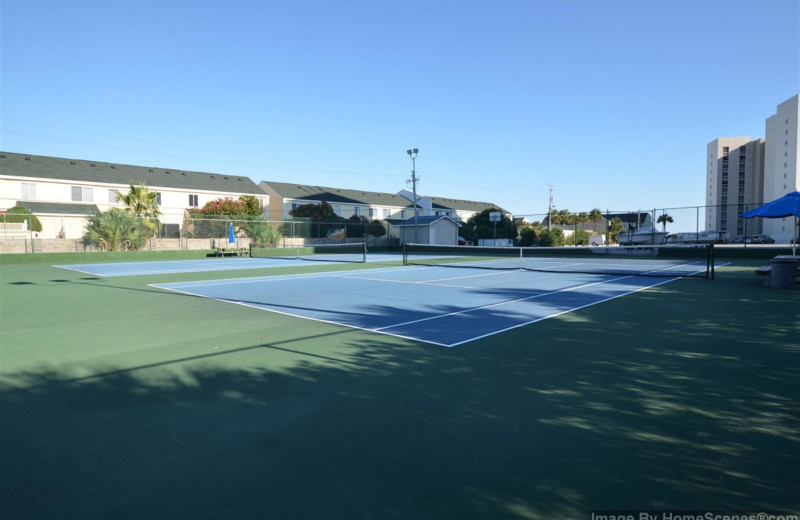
(697,225)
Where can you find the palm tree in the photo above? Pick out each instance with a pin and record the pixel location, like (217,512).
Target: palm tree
(663,219)
(144,204)
(595,216)
(614,229)
(115,230)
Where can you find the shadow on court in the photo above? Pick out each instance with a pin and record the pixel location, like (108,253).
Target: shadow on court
(668,398)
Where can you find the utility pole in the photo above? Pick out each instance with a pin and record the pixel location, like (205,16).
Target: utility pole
(550,211)
(413,154)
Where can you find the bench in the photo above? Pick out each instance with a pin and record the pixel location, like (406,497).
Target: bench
(766,270)
(233,251)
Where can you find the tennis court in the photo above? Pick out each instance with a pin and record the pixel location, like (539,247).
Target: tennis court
(316,390)
(285,257)
(439,305)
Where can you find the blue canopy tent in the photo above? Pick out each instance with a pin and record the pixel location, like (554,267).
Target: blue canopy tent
(786,206)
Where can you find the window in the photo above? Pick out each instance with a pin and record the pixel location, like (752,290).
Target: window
(338,210)
(295,205)
(373,212)
(357,211)
(158,198)
(193,201)
(403,214)
(28,191)
(387,213)
(113,198)
(81,194)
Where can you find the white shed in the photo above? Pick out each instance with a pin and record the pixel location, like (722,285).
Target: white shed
(429,229)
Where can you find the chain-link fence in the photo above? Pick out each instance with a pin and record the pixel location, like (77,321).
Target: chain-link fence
(689,224)
(116,230)
(121,231)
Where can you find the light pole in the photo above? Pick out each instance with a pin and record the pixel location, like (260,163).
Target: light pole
(413,154)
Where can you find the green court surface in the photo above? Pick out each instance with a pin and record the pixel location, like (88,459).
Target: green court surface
(120,400)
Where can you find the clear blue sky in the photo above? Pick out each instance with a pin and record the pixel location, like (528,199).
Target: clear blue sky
(610,102)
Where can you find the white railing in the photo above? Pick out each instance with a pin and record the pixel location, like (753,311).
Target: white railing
(14,229)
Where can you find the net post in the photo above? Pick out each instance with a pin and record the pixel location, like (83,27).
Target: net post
(405,253)
(711,260)
(364,257)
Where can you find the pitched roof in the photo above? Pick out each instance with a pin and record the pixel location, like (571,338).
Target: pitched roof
(463,205)
(289,190)
(424,220)
(58,208)
(39,166)
(295,191)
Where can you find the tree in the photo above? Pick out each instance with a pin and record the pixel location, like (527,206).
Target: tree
(551,237)
(357,226)
(320,221)
(581,237)
(142,203)
(116,230)
(614,229)
(560,216)
(213,219)
(22,214)
(251,206)
(595,216)
(663,219)
(224,207)
(528,236)
(479,226)
(323,210)
(376,228)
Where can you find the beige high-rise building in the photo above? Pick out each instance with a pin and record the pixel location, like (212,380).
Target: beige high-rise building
(742,173)
(734,176)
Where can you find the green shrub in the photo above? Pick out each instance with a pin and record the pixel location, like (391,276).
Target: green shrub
(21,214)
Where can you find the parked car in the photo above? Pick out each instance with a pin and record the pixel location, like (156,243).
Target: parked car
(760,239)
(464,242)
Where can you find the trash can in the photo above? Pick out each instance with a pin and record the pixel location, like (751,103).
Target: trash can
(783,272)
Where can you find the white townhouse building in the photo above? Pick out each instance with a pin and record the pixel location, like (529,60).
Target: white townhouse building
(286,196)
(62,193)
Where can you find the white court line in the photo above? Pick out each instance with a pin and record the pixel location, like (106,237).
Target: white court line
(277,278)
(498,304)
(68,268)
(434,282)
(573,309)
(382,330)
(207,265)
(331,322)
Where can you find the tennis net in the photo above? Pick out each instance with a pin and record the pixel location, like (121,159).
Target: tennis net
(354,252)
(664,260)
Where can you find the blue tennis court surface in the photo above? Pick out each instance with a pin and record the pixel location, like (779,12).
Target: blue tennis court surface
(195,266)
(439,305)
